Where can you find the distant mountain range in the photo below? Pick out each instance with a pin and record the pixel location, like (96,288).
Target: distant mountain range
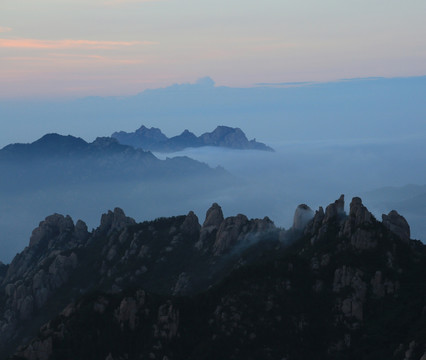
(334,286)
(67,174)
(223,136)
(56,159)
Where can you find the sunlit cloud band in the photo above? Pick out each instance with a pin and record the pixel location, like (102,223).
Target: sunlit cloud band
(68,44)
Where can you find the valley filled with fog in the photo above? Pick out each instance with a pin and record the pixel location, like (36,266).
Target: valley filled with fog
(362,137)
(273,184)
(258,184)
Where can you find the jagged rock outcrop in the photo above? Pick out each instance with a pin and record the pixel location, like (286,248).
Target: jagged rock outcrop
(42,268)
(214,218)
(302,216)
(356,226)
(397,224)
(114,221)
(320,223)
(319,295)
(191,225)
(335,210)
(218,235)
(56,232)
(239,230)
(358,216)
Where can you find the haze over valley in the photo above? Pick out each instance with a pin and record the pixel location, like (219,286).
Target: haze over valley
(186,180)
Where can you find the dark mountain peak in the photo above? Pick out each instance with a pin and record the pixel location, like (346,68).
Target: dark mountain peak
(346,286)
(214,216)
(144,137)
(191,224)
(186,132)
(358,213)
(222,130)
(50,145)
(59,143)
(55,138)
(336,209)
(223,136)
(54,225)
(55,234)
(114,221)
(153,133)
(397,224)
(355,229)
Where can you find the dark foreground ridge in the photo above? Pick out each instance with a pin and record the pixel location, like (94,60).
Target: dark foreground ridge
(223,136)
(334,286)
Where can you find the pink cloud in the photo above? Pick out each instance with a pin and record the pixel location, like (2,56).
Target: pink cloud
(117,2)
(5,29)
(68,44)
(78,60)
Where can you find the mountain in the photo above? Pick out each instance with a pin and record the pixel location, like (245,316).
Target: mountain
(64,173)
(410,199)
(69,159)
(334,286)
(223,136)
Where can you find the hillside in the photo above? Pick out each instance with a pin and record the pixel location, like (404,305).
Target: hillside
(334,286)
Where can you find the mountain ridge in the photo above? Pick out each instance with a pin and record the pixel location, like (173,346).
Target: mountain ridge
(333,287)
(223,136)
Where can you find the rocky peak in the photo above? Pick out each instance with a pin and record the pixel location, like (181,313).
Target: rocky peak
(313,226)
(335,210)
(397,224)
(214,216)
(231,229)
(359,217)
(225,136)
(302,216)
(55,226)
(151,133)
(358,213)
(114,221)
(56,233)
(191,225)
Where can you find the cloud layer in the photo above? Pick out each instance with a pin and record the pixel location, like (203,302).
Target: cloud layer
(4,29)
(68,44)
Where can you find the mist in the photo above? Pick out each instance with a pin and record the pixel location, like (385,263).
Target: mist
(361,137)
(261,184)
(317,172)
(378,108)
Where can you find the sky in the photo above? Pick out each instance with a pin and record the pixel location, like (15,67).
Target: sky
(77,48)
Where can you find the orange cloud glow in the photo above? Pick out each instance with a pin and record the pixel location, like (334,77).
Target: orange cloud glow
(67,44)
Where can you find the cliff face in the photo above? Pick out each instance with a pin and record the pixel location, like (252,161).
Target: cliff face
(344,286)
